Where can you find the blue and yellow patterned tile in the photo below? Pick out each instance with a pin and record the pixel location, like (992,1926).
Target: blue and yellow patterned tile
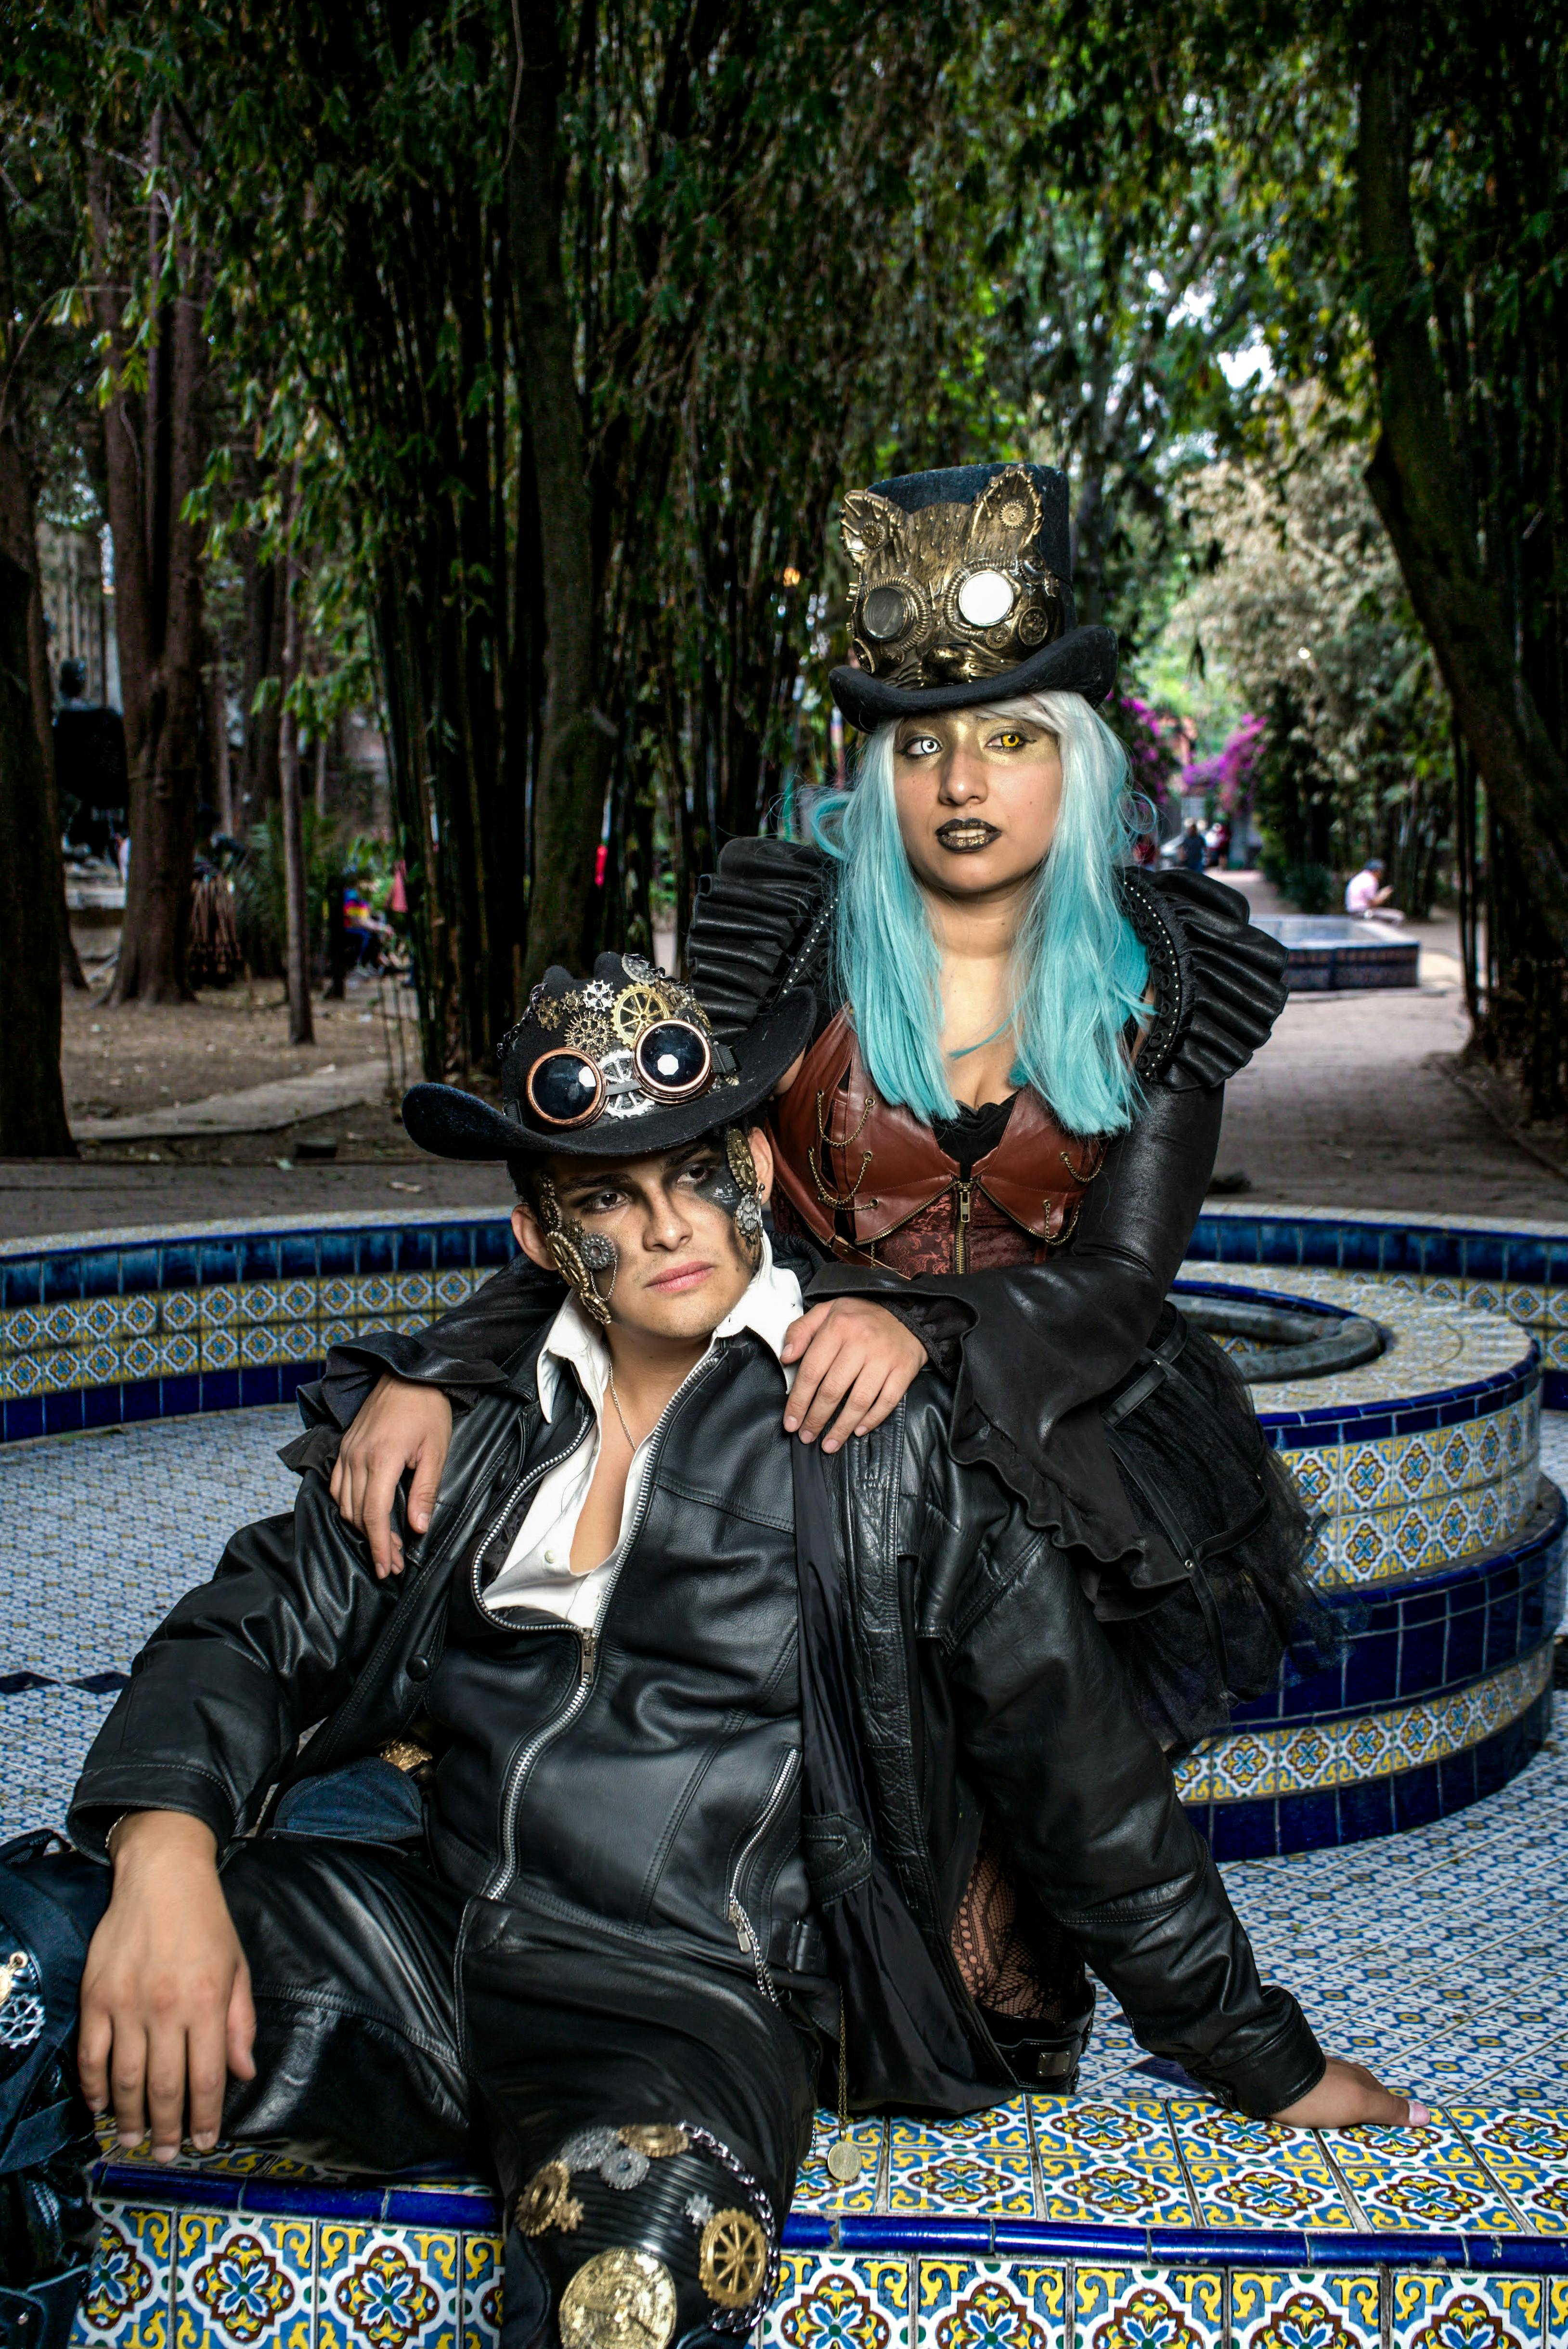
(244,2282)
(218,1308)
(1557,2313)
(482,2304)
(1003,2126)
(815,2190)
(128,2300)
(985,2180)
(1125,2192)
(1417,2196)
(990,2305)
(829,2300)
(1231,2193)
(1093,2128)
(1536,2140)
(1148,2308)
(398,2287)
(1205,2132)
(1458,2311)
(1328,2308)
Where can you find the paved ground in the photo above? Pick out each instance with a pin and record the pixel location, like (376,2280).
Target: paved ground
(1344,1107)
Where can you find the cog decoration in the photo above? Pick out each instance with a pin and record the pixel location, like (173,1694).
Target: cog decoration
(748,1214)
(637,1008)
(618,2299)
(732,2259)
(599,995)
(657,2139)
(548,2202)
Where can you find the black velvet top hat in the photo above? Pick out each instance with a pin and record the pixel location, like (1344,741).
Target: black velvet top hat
(616,1066)
(963,595)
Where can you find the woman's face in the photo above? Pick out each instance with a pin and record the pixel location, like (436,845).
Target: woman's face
(977,799)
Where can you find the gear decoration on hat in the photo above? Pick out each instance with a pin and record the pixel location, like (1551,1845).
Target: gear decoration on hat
(619,2299)
(732,2259)
(548,2202)
(638,1006)
(950,594)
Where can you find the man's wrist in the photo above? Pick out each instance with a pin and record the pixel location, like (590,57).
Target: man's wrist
(137,1835)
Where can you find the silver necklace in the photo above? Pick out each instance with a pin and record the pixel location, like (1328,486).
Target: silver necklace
(631,1442)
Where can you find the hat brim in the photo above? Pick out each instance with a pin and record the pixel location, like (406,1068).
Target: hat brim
(451,1123)
(1083,661)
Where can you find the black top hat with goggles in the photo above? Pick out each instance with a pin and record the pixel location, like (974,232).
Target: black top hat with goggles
(963,595)
(620,1065)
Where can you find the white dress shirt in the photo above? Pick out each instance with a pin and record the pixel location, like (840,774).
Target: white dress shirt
(538,1568)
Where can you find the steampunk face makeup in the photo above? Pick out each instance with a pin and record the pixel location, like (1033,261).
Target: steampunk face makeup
(665,1245)
(978,794)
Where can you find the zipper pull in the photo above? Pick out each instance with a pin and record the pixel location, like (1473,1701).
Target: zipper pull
(590,1649)
(965,1187)
(742,1924)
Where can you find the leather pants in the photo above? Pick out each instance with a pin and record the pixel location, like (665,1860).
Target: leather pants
(397,2024)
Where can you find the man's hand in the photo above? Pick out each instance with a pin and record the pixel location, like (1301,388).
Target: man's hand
(166,2005)
(1348,2097)
(856,1359)
(403,1426)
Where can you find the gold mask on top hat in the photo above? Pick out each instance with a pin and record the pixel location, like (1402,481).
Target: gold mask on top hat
(951,594)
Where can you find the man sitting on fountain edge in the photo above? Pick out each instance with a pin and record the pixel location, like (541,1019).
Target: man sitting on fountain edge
(636,1813)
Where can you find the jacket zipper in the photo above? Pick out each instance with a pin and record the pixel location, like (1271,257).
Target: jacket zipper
(745,1932)
(522,1762)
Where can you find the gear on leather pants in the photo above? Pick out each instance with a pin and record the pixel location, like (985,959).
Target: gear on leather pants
(396,2025)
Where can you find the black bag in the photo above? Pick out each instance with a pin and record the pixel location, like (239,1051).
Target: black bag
(49,1906)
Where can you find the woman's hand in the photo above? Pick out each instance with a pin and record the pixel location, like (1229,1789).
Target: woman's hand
(855,1360)
(403,1426)
(1348,2097)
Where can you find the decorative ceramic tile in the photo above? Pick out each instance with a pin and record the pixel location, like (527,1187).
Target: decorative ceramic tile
(1148,2308)
(129,2298)
(1466,2311)
(1122,2193)
(482,2292)
(1245,1764)
(398,2287)
(1004,2127)
(244,2282)
(990,2305)
(987,2180)
(833,2301)
(1091,2128)
(1328,2308)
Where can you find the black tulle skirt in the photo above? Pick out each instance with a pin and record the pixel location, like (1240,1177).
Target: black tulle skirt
(1205,1483)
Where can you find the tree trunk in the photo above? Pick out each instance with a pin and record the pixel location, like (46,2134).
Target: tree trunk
(264,660)
(155,453)
(569,790)
(19,539)
(1415,482)
(291,822)
(33,1122)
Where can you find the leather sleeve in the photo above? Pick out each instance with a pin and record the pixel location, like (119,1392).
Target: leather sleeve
(1086,1801)
(1080,1320)
(224,1689)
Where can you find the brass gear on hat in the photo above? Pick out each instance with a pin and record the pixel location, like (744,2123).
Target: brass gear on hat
(618,2299)
(637,1008)
(732,2259)
(548,2202)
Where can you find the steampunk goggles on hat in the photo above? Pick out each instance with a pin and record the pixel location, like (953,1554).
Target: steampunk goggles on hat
(624,1051)
(671,1061)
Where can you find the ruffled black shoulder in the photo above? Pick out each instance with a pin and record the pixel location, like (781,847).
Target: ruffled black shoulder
(1219,983)
(760,927)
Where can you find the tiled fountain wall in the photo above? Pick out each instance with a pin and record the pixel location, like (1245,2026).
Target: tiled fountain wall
(1441,1552)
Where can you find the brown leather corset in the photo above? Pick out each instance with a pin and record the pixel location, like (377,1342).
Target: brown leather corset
(871,1180)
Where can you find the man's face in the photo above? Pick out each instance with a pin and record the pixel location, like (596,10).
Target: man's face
(680,1264)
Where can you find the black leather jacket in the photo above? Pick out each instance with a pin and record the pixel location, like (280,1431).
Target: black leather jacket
(981,1680)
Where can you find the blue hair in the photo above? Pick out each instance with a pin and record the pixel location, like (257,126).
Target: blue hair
(1079,973)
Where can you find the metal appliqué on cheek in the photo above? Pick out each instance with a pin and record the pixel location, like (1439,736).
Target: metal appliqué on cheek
(579,1256)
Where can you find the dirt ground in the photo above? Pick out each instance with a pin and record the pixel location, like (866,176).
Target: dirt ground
(129,1059)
